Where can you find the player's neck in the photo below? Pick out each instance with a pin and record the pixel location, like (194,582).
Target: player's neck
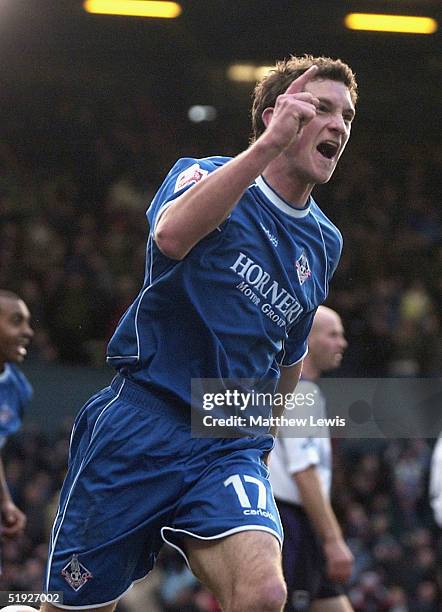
(309,370)
(293,189)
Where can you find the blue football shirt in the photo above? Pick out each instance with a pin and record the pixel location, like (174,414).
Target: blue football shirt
(15,393)
(242,301)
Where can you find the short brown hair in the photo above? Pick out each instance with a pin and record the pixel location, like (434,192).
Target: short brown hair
(285,71)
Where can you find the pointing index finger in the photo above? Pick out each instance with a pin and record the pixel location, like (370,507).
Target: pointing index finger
(298,84)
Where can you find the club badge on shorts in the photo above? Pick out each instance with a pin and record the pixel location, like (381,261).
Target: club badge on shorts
(76,574)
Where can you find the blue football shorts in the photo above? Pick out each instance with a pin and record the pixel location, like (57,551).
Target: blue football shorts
(136,479)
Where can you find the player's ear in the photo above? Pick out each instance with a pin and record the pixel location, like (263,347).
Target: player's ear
(267,116)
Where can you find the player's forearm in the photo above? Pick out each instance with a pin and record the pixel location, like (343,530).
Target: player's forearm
(317,505)
(4,489)
(288,380)
(201,209)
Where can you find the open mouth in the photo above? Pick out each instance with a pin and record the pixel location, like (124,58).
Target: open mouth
(22,348)
(328,149)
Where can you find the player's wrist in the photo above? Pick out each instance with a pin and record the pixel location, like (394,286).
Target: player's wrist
(267,147)
(332,538)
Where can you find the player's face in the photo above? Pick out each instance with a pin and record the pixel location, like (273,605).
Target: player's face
(322,141)
(328,344)
(15,330)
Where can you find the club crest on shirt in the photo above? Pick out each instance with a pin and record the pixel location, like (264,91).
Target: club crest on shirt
(193,174)
(303,268)
(76,574)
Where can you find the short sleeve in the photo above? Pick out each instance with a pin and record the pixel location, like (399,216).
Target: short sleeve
(301,453)
(436,482)
(18,394)
(184,174)
(295,345)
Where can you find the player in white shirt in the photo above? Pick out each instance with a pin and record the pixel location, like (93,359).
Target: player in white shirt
(436,481)
(316,560)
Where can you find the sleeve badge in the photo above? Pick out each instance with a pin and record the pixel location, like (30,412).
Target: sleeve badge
(190,175)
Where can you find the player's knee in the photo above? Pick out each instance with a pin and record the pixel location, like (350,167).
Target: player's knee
(273,595)
(267,596)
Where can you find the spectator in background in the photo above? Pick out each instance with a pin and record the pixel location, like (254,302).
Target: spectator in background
(315,556)
(15,392)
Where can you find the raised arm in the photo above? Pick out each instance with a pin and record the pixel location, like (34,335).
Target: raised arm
(201,209)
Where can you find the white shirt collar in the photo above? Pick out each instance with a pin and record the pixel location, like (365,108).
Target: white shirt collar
(277,201)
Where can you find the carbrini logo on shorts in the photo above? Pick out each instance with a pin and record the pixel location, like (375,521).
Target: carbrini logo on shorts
(76,574)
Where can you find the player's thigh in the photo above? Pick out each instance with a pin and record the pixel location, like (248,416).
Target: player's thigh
(332,604)
(50,608)
(239,562)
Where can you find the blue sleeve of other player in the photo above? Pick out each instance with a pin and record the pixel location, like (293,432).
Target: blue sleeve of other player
(295,346)
(16,392)
(25,389)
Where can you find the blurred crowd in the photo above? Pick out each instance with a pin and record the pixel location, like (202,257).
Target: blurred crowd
(77,174)
(388,287)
